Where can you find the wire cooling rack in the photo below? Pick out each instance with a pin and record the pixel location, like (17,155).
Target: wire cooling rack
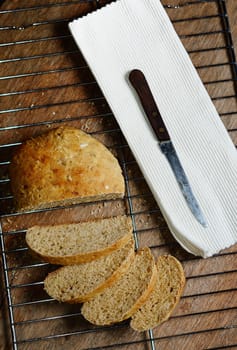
(44,83)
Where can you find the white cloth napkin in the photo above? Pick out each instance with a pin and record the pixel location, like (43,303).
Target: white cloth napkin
(130,34)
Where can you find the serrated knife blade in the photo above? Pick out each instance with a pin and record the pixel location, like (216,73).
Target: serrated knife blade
(140,84)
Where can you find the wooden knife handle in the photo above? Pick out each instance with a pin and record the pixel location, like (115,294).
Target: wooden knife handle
(139,82)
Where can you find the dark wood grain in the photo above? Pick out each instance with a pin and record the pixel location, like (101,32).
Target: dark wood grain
(45,82)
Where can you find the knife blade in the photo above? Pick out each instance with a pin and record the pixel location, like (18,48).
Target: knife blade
(140,84)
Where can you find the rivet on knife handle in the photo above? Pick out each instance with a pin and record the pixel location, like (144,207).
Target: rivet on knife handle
(149,105)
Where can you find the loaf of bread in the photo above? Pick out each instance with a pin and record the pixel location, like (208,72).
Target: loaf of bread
(63,167)
(127,295)
(165,296)
(80,283)
(70,244)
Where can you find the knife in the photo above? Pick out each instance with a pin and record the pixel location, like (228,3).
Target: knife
(140,84)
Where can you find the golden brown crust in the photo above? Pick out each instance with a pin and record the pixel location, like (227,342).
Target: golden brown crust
(63,165)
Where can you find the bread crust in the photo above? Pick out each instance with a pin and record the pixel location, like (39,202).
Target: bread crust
(65,165)
(100,288)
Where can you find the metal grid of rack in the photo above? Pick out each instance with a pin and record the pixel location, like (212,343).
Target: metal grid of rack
(45,82)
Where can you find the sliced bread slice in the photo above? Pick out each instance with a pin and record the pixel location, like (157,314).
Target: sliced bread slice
(71,244)
(165,296)
(127,295)
(80,283)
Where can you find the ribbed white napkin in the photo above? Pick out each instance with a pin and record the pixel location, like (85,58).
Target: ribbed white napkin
(130,34)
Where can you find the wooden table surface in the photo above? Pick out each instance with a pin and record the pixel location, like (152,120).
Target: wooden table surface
(46,84)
